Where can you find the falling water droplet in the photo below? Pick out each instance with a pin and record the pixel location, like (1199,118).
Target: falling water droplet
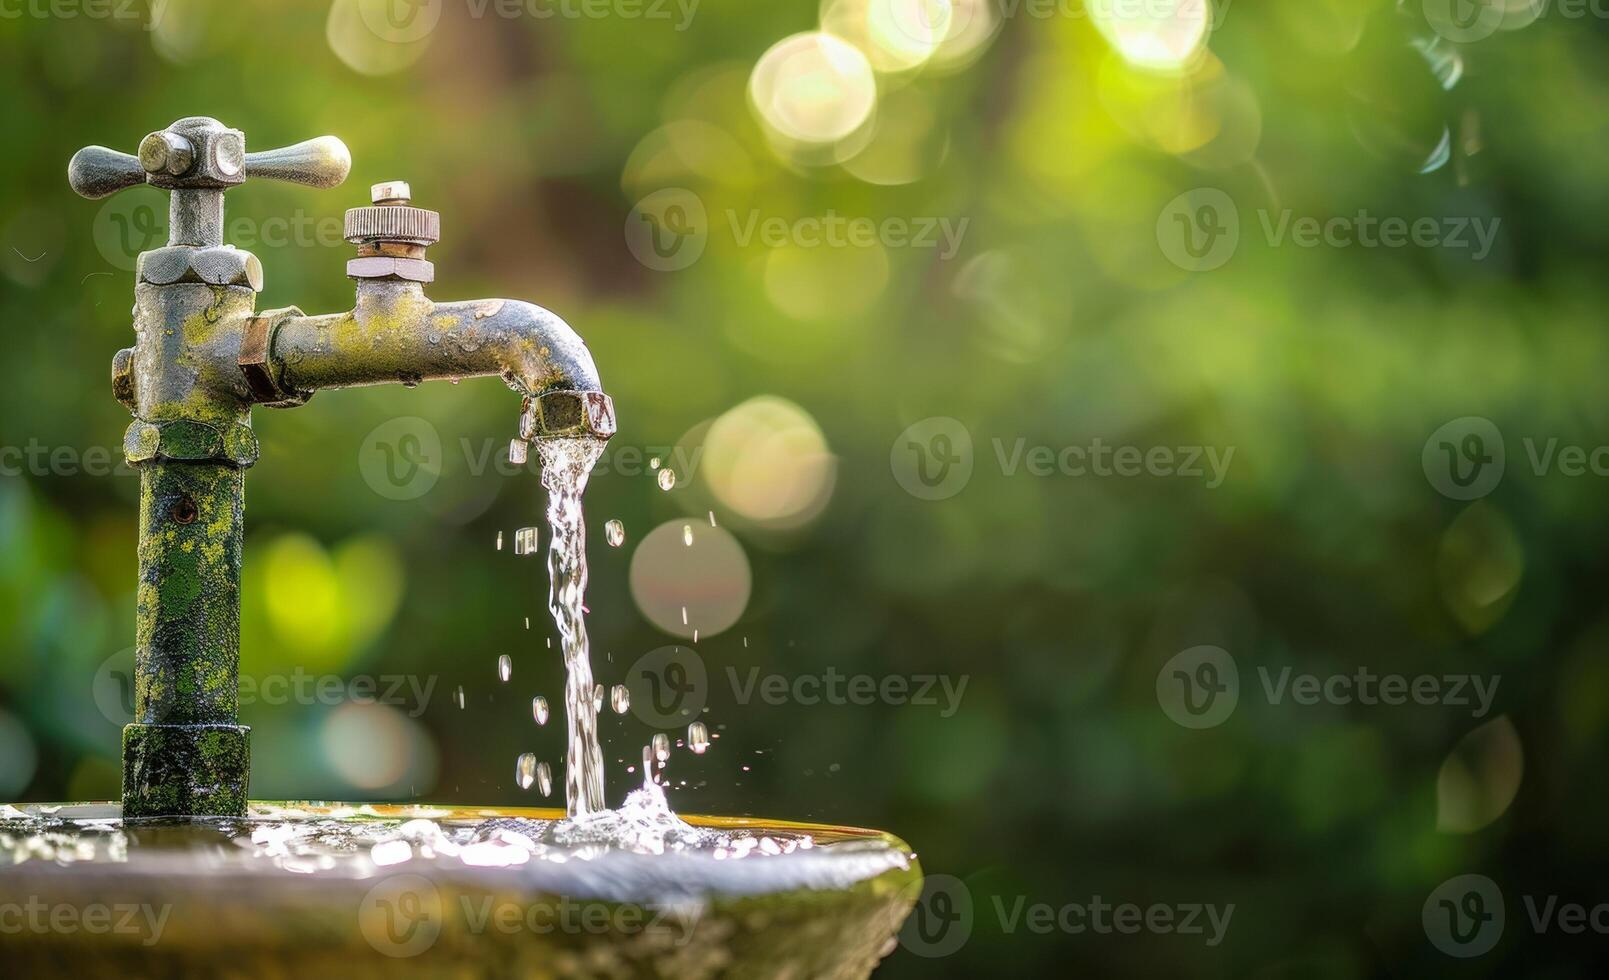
(619,699)
(684,615)
(458,697)
(499,540)
(505,667)
(525,770)
(525,541)
(544,778)
(712,518)
(614,532)
(597,697)
(661,746)
(667,479)
(698,737)
(653,463)
(687,535)
(539,709)
(527,622)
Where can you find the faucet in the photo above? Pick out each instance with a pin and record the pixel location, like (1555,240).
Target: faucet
(203,357)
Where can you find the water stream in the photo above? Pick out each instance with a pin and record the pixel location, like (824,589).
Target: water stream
(566,466)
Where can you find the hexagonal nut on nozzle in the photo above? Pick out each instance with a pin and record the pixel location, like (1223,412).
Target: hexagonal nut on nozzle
(567,413)
(123,378)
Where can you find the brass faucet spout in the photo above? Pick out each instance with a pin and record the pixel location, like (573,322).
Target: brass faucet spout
(395,334)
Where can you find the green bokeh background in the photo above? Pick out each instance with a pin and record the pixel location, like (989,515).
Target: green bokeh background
(1059,321)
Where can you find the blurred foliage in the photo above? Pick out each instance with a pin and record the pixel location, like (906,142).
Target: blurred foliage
(1060,320)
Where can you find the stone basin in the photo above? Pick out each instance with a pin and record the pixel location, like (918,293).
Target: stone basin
(313,889)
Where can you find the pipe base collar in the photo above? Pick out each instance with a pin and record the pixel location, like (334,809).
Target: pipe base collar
(185,770)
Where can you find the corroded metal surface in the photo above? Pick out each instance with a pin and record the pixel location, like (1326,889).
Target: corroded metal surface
(203,358)
(397,334)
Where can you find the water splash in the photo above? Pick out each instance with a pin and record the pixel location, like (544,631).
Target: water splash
(566,465)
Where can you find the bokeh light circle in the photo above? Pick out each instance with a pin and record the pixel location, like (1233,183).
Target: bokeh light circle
(1159,35)
(813,87)
(895,35)
(682,588)
(375,747)
(767,461)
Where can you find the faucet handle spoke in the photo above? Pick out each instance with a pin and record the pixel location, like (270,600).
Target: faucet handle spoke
(198,158)
(320,162)
(96,172)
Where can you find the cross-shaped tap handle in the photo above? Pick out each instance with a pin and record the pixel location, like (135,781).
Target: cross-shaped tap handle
(201,153)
